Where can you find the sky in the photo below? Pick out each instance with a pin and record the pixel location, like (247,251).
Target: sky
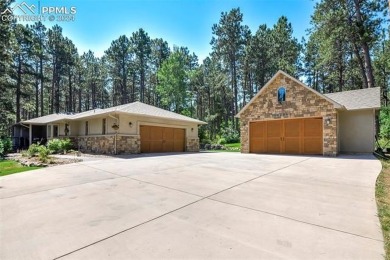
(179,22)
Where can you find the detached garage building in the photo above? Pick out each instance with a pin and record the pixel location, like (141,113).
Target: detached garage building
(288,117)
(130,128)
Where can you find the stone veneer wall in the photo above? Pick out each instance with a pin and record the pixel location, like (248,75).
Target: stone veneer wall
(105,144)
(192,145)
(128,144)
(300,102)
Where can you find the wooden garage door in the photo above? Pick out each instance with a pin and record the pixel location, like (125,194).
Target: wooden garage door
(290,136)
(155,139)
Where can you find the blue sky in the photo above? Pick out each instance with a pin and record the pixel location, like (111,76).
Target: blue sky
(179,22)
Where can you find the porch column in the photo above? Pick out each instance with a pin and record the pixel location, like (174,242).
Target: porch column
(30,134)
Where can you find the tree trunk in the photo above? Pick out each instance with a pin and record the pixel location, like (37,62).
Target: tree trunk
(366,51)
(53,89)
(41,79)
(70,105)
(36,90)
(361,65)
(18,90)
(142,81)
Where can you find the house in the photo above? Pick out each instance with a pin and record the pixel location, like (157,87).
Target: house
(130,128)
(288,117)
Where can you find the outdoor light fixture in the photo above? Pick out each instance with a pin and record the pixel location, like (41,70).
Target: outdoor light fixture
(130,124)
(192,129)
(328,121)
(115,126)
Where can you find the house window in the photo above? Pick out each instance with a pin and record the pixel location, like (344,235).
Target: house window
(49,131)
(55,130)
(281,94)
(86,127)
(103,126)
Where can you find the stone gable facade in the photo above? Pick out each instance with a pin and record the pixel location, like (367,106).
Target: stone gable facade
(300,103)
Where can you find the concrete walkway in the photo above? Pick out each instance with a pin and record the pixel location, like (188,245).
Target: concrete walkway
(203,206)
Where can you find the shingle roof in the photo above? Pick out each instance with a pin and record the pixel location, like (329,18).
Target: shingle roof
(47,119)
(138,108)
(357,99)
(135,108)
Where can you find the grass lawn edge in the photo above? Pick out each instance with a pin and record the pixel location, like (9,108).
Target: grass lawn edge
(382,196)
(8,167)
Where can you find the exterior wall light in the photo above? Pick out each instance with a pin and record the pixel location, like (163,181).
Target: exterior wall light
(130,124)
(192,129)
(115,126)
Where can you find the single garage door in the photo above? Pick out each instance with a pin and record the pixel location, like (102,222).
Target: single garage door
(289,136)
(155,139)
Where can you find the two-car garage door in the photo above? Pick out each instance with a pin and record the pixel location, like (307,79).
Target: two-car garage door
(155,139)
(290,136)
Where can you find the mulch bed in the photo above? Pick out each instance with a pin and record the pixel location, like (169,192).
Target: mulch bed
(34,161)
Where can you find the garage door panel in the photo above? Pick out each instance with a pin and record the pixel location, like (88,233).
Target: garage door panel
(179,137)
(155,139)
(292,145)
(273,145)
(274,129)
(257,129)
(289,136)
(258,145)
(312,145)
(312,127)
(145,139)
(257,136)
(156,133)
(292,128)
(168,133)
(168,146)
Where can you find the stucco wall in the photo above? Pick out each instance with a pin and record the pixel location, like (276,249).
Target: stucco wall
(300,103)
(357,131)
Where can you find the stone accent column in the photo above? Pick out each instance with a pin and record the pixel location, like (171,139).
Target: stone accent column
(128,144)
(192,145)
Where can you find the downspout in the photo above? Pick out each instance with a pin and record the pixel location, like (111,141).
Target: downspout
(116,132)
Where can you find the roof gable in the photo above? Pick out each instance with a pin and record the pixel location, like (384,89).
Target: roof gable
(279,73)
(47,119)
(135,108)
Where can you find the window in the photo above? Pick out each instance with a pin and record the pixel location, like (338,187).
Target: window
(86,127)
(49,131)
(281,94)
(55,130)
(103,126)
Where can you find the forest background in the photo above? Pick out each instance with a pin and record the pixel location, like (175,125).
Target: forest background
(41,71)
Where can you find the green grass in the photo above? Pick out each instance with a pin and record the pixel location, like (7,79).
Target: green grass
(382,194)
(235,145)
(222,151)
(8,167)
(231,148)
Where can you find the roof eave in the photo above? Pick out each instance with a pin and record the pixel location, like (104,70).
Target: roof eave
(363,108)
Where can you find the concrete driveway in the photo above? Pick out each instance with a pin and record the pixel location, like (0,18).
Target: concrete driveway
(205,205)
